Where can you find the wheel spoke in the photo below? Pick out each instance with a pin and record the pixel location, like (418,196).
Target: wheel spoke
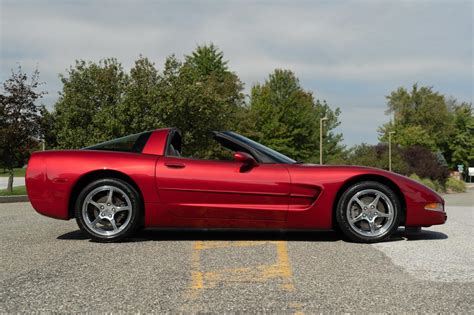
(114,225)
(372,226)
(375,202)
(94,223)
(360,203)
(109,196)
(380,214)
(358,218)
(95,204)
(122,208)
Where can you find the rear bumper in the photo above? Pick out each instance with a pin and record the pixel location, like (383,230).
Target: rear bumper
(46,197)
(48,209)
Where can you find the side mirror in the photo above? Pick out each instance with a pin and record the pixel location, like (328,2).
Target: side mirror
(245,158)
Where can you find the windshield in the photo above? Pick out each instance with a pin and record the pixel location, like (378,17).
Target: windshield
(133,143)
(266,150)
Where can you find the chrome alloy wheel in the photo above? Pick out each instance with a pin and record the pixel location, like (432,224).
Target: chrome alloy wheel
(107,210)
(370,213)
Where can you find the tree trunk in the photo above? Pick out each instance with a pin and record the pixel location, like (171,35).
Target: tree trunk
(10,182)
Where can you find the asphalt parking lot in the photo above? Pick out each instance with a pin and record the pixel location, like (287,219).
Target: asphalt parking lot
(47,265)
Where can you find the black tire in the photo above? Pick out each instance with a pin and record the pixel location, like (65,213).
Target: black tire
(361,230)
(123,196)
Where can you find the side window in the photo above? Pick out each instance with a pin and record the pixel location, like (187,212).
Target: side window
(216,148)
(211,150)
(132,143)
(174,146)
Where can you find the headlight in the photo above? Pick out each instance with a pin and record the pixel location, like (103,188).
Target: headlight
(435,206)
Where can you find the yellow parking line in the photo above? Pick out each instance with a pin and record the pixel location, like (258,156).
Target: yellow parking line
(197,282)
(281,268)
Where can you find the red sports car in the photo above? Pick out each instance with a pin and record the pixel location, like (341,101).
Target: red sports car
(119,186)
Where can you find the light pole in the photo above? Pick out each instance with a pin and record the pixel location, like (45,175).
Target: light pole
(390,133)
(321,139)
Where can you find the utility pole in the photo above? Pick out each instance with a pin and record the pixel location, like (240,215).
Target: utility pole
(321,139)
(390,150)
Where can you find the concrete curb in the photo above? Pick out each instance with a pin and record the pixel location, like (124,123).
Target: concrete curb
(9,199)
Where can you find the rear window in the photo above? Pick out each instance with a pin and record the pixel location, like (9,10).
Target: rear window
(133,143)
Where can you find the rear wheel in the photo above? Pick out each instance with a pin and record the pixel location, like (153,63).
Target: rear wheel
(368,212)
(108,210)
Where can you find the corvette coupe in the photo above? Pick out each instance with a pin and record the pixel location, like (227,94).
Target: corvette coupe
(116,187)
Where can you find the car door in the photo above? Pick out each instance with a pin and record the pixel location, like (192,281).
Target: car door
(223,190)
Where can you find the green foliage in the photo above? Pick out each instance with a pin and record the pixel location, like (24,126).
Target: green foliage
(87,110)
(424,112)
(415,177)
(455,185)
(423,117)
(409,136)
(101,101)
(19,120)
(139,109)
(208,60)
(461,143)
(405,160)
(286,118)
(199,96)
(376,156)
(47,127)
(433,184)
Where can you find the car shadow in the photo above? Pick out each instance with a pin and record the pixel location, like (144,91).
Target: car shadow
(423,235)
(148,235)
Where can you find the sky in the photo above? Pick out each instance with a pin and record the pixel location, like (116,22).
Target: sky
(349,53)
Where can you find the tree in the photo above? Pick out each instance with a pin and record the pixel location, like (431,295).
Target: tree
(208,60)
(407,136)
(421,117)
(461,144)
(87,111)
(19,120)
(285,117)
(101,101)
(47,126)
(140,106)
(199,96)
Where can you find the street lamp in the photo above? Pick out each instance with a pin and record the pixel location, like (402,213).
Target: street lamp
(390,150)
(321,139)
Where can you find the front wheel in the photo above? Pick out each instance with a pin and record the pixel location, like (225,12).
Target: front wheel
(108,210)
(368,212)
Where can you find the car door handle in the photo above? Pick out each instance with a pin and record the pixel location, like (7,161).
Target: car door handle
(175,165)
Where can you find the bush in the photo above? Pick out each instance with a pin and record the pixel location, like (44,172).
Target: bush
(375,156)
(433,184)
(425,164)
(455,185)
(415,177)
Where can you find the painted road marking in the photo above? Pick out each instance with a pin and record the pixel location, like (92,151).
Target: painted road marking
(280,269)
